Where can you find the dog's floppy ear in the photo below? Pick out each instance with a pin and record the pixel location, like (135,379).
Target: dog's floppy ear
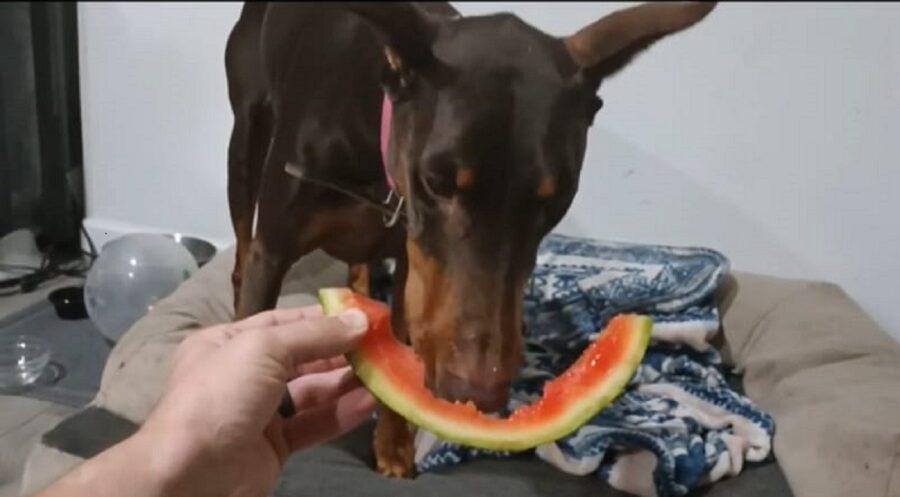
(604,47)
(408,31)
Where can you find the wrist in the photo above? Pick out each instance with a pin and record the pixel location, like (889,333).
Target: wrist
(155,463)
(171,458)
(126,465)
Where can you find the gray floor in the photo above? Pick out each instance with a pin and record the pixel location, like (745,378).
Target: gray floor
(22,419)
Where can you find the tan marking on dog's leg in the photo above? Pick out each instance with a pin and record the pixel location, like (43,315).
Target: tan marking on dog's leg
(240,257)
(394,445)
(359,278)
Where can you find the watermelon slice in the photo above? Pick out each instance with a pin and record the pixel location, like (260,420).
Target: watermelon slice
(395,376)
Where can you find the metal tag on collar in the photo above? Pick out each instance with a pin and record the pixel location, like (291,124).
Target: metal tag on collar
(390,221)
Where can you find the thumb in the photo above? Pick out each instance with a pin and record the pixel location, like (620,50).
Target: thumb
(324,337)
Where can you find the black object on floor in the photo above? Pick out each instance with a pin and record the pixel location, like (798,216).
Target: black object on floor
(89,432)
(69,302)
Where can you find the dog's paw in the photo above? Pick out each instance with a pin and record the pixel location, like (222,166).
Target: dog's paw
(394,446)
(398,464)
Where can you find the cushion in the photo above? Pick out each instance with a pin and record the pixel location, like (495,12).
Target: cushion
(828,375)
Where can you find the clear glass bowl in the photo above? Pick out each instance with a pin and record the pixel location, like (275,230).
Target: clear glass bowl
(22,359)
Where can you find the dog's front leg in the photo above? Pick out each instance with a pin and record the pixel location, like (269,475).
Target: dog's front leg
(393,441)
(394,445)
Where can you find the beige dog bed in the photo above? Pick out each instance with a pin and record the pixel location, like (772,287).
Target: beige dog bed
(810,356)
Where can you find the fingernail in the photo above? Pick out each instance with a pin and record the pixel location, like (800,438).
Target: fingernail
(355,320)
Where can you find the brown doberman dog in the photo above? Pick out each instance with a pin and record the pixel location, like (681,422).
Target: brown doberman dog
(487,137)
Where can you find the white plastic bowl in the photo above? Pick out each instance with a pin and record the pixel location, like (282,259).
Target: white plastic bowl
(22,359)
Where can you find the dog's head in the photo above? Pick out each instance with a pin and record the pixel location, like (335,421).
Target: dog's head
(488,136)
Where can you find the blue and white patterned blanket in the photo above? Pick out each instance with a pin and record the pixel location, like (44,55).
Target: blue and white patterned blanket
(679,425)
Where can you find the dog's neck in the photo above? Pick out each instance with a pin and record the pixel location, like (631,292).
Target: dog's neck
(390,205)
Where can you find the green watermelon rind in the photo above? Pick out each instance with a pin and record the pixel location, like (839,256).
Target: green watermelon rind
(511,438)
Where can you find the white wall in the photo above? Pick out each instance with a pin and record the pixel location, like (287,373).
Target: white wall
(155,115)
(769,132)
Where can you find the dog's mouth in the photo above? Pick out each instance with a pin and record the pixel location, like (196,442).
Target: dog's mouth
(468,367)
(465,324)
(488,398)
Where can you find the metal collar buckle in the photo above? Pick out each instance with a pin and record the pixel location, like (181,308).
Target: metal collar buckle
(393,196)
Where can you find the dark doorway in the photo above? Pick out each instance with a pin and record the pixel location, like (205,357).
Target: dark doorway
(41,186)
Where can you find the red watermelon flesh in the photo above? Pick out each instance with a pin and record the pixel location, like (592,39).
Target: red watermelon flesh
(395,376)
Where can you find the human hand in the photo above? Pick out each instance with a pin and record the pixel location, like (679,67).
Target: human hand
(216,430)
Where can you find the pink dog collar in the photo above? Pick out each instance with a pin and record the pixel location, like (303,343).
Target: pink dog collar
(387,111)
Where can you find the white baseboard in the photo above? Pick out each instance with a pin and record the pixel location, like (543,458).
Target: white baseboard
(102,231)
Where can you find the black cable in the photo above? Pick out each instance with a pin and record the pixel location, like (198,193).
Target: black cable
(93,252)
(51,268)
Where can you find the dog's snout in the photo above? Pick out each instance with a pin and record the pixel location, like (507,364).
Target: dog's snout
(487,396)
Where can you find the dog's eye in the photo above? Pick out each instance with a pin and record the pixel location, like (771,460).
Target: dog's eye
(438,182)
(438,175)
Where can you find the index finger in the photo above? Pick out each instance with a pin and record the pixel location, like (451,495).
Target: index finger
(277,317)
(308,340)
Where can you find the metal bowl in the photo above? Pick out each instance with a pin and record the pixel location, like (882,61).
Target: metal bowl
(200,249)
